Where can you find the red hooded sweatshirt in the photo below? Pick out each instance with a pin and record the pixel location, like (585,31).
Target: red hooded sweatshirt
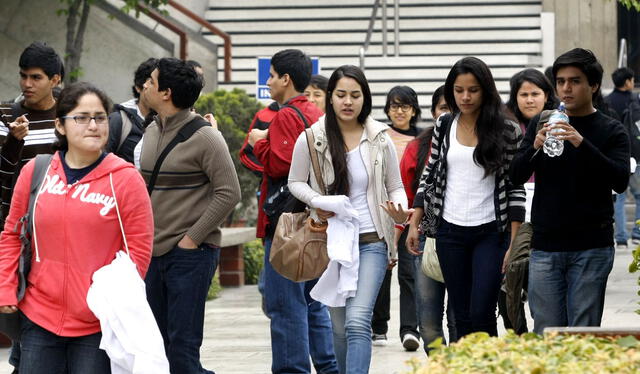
(76,232)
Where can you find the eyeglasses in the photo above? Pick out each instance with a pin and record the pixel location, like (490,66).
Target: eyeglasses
(404,107)
(83,119)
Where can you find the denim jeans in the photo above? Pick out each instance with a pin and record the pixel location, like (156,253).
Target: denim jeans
(430,305)
(43,352)
(300,326)
(620,215)
(352,323)
(568,288)
(471,260)
(381,310)
(177,286)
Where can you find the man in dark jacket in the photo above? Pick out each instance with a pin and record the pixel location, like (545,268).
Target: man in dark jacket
(127,119)
(572,212)
(619,99)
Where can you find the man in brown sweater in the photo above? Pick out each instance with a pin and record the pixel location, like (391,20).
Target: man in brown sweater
(27,126)
(196,189)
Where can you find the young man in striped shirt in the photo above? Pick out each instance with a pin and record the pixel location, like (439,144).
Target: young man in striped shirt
(27,126)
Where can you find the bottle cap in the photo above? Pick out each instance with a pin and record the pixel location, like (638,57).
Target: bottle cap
(561,107)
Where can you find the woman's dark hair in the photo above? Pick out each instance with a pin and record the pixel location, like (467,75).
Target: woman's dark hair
(403,95)
(435,99)
(536,78)
(319,81)
(424,140)
(490,126)
(335,140)
(68,101)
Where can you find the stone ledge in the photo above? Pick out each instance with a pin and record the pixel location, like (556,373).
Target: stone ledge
(236,235)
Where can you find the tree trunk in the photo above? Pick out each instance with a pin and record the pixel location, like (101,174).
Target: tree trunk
(75,38)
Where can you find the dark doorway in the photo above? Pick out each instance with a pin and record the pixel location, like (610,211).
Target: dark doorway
(629,28)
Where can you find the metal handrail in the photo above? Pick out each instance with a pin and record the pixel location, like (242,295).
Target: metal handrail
(622,56)
(156,16)
(367,39)
(204,23)
(396,27)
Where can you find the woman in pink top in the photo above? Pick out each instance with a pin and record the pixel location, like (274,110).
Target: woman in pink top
(76,231)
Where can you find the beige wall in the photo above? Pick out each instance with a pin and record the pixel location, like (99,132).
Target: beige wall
(590,24)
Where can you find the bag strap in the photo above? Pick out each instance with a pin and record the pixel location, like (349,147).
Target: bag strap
(127,125)
(297,110)
(39,172)
(115,200)
(314,161)
(185,133)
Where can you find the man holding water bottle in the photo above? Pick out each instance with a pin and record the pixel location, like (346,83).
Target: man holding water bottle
(572,211)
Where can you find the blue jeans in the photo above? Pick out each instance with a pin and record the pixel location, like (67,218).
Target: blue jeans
(620,215)
(177,286)
(429,296)
(471,260)
(352,323)
(43,352)
(567,288)
(300,326)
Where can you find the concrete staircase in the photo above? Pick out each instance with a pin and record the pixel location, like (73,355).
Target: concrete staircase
(433,34)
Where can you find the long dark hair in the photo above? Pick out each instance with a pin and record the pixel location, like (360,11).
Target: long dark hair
(424,140)
(536,78)
(335,140)
(490,126)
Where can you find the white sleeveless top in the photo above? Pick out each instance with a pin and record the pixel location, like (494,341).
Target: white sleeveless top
(358,182)
(468,200)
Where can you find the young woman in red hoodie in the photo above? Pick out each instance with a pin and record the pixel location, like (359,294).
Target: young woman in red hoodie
(76,231)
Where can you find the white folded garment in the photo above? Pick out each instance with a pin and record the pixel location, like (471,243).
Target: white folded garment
(340,280)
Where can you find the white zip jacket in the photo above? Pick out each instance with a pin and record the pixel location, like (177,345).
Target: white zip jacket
(381,161)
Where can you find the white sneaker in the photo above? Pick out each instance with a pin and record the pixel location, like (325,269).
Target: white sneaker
(410,342)
(379,340)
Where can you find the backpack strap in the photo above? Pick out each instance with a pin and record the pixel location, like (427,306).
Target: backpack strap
(127,125)
(42,162)
(299,113)
(185,133)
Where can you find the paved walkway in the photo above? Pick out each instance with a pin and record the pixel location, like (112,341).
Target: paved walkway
(237,333)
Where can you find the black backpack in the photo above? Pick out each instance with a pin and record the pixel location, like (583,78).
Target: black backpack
(631,123)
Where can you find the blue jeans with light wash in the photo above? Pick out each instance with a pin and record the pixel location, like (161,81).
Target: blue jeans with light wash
(300,326)
(43,352)
(177,286)
(352,323)
(568,288)
(429,294)
(620,216)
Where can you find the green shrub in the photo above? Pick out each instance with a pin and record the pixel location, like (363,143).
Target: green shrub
(215,288)
(234,111)
(530,353)
(635,264)
(253,261)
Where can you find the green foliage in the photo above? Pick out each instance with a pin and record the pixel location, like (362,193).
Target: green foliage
(234,111)
(530,353)
(631,3)
(215,288)
(635,264)
(253,254)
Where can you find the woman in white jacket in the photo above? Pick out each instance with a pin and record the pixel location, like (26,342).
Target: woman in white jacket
(357,159)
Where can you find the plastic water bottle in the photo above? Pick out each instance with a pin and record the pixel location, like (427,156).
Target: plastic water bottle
(552,145)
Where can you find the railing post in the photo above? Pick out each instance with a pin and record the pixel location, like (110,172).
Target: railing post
(384,28)
(622,55)
(396,27)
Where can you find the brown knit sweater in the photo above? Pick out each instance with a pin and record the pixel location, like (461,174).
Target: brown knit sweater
(197,186)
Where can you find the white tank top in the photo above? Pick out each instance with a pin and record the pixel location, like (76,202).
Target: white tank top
(358,182)
(468,199)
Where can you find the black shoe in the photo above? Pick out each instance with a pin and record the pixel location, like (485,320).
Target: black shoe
(621,244)
(410,342)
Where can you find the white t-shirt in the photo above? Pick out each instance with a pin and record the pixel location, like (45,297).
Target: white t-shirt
(358,182)
(468,200)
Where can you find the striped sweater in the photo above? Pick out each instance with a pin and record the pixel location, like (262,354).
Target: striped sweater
(509,199)
(16,153)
